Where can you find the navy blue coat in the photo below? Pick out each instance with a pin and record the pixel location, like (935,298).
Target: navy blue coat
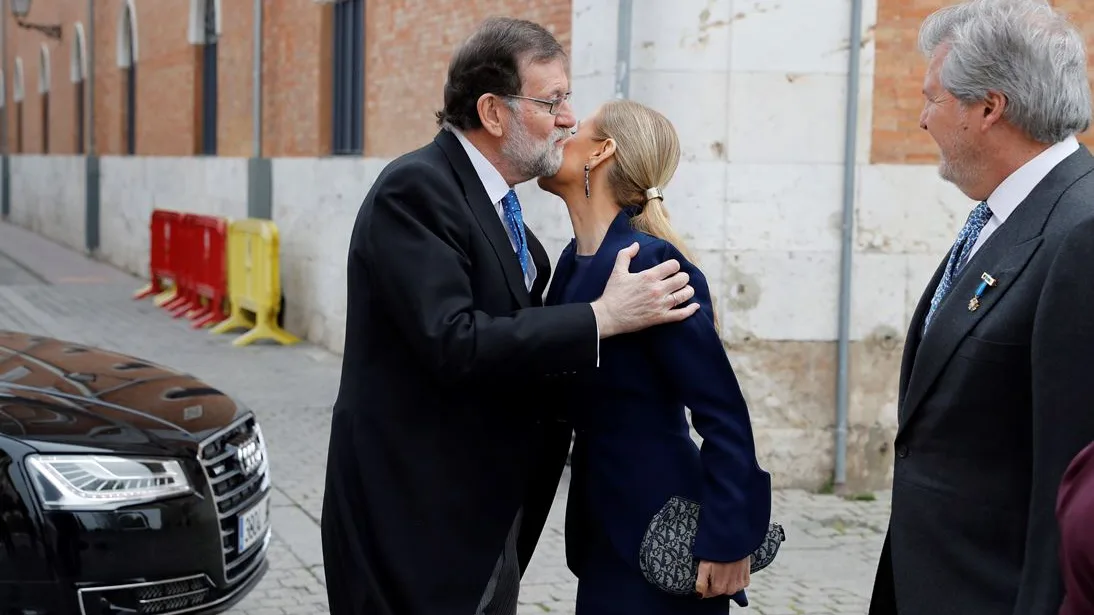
(633,450)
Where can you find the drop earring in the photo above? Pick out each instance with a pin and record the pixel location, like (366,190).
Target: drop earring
(586,181)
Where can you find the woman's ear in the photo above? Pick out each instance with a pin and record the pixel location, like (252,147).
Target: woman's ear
(491,114)
(604,151)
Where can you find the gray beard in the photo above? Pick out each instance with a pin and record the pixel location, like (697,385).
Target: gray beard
(530,157)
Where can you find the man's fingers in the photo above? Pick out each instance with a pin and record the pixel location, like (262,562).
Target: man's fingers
(674,283)
(680,313)
(664,270)
(624,256)
(682,295)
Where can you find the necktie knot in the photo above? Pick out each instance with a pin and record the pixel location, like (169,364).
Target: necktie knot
(510,202)
(978,218)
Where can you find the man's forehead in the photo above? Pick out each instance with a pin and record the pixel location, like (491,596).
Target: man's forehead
(931,82)
(545,78)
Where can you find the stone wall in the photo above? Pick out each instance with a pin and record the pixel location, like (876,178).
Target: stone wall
(131,187)
(47,197)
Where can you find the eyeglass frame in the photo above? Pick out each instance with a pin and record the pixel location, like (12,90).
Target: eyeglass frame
(555,105)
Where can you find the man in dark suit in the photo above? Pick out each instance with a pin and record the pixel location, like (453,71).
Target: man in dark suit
(996,392)
(444,456)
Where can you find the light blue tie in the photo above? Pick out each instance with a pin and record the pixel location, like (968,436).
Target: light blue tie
(515,221)
(959,254)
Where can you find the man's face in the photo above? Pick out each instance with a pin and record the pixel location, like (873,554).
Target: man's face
(946,119)
(534,138)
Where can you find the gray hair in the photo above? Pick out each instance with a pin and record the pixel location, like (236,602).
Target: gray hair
(1023,49)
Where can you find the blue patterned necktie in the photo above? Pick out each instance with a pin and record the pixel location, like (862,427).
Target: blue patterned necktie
(515,221)
(960,252)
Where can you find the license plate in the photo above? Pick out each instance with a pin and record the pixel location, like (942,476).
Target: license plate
(253,524)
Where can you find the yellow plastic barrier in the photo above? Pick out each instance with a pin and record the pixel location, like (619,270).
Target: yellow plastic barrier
(254,282)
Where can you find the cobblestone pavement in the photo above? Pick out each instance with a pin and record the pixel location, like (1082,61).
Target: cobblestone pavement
(826,567)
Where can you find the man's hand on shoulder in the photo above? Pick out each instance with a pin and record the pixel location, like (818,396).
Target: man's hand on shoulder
(634,301)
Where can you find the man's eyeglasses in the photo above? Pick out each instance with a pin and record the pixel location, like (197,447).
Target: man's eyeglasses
(555,105)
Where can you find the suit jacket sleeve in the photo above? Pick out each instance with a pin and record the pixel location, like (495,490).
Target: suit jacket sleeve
(735,509)
(1062,351)
(414,245)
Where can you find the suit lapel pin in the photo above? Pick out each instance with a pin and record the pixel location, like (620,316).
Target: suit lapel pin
(986,280)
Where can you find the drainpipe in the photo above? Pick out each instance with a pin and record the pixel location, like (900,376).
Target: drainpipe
(91,185)
(89,77)
(256,110)
(259,181)
(850,160)
(5,173)
(623,50)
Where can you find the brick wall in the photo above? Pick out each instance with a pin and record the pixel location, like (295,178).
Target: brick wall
(235,51)
(296,76)
(167,66)
(27,44)
(295,67)
(899,72)
(408,43)
(407,46)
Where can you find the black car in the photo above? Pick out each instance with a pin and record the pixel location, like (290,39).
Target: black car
(125,487)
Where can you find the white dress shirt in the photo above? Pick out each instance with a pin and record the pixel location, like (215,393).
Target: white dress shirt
(1015,188)
(496,188)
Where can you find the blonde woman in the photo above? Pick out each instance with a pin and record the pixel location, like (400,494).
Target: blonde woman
(636,473)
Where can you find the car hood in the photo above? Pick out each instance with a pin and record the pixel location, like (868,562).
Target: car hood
(60,396)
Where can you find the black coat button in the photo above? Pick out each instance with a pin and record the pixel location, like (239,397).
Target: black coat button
(902,451)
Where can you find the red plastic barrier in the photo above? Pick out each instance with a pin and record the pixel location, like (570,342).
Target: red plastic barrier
(211,272)
(182,257)
(200,261)
(163,227)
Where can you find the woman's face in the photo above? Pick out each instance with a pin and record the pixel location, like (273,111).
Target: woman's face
(576,152)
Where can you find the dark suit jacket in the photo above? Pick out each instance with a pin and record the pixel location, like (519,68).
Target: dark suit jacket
(633,449)
(438,434)
(1075,515)
(993,405)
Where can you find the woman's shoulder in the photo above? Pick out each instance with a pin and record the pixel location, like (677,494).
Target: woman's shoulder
(654,251)
(651,250)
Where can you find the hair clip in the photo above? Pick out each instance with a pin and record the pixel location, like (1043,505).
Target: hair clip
(654,193)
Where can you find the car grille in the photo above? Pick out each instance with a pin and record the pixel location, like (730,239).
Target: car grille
(236,466)
(172,596)
(151,598)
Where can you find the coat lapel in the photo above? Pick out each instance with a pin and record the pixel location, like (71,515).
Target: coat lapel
(543,266)
(915,336)
(1003,256)
(590,287)
(486,215)
(563,269)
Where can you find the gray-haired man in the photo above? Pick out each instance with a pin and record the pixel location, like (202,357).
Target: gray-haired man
(996,394)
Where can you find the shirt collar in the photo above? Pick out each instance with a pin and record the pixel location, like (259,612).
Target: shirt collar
(495,185)
(1016,187)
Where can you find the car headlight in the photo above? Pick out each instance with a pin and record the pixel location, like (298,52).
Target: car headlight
(101,482)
